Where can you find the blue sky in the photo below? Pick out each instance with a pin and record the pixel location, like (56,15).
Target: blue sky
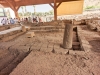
(39,8)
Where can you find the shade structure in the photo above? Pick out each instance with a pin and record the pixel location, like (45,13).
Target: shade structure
(29,2)
(1,6)
(15,4)
(70,8)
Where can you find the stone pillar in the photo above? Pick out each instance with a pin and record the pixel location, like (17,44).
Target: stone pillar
(68,35)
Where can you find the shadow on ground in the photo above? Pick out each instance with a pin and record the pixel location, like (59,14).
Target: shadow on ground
(95,44)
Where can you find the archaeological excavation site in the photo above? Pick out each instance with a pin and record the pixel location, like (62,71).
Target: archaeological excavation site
(67,43)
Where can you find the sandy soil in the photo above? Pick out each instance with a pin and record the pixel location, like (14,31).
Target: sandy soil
(43,61)
(48,63)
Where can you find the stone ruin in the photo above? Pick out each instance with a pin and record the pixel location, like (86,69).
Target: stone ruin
(76,43)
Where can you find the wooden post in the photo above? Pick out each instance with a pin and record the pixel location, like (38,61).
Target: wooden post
(16,14)
(68,35)
(55,10)
(14,7)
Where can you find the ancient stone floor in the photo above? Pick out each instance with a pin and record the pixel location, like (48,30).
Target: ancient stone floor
(46,57)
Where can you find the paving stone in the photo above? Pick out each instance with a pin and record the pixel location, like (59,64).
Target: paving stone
(36,47)
(30,34)
(60,50)
(44,45)
(23,48)
(50,45)
(46,49)
(56,46)
(76,52)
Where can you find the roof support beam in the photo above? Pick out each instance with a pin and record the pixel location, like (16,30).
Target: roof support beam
(55,6)
(51,5)
(10,4)
(13,6)
(55,10)
(17,7)
(59,4)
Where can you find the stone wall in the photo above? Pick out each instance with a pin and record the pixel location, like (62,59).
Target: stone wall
(6,36)
(5,27)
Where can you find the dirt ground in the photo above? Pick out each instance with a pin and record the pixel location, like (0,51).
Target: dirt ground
(43,60)
(48,63)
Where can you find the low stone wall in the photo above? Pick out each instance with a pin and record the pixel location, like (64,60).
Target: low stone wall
(93,24)
(79,22)
(5,27)
(85,46)
(11,35)
(52,23)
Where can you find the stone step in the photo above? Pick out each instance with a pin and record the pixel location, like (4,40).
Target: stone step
(76,46)
(50,30)
(46,27)
(76,43)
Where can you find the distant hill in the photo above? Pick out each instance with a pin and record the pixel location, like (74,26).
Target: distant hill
(91,4)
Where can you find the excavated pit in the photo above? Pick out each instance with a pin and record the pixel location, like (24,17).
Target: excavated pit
(9,60)
(76,43)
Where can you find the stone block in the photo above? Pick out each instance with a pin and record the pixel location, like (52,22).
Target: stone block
(5,39)
(86,47)
(92,26)
(50,45)
(36,47)
(12,37)
(30,34)
(46,49)
(76,43)
(23,29)
(44,45)
(23,48)
(11,33)
(1,36)
(56,46)
(76,47)
(28,28)
(13,48)
(98,28)
(2,28)
(20,33)
(72,52)
(6,35)
(83,40)
(77,22)
(60,50)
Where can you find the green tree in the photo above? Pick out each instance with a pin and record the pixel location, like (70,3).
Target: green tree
(20,14)
(25,9)
(34,9)
(22,7)
(51,12)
